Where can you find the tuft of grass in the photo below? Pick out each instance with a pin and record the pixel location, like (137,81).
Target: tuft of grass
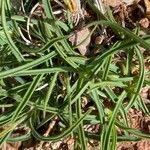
(47,78)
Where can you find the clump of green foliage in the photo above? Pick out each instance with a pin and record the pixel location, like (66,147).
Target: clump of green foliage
(44,77)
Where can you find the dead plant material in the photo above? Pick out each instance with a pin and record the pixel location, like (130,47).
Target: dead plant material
(50,128)
(72,6)
(81,40)
(114,3)
(13,146)
(147,5)
(144,93)
(142,145)
(130,2)
(144,22)
(138,121)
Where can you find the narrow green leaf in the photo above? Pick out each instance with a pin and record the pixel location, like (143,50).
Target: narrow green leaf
(13,47)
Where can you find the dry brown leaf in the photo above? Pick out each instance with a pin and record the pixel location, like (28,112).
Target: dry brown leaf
(147,5)
(143,145)
(13,146)
(130,2)
(80,36)
(114,3)
(72,5)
